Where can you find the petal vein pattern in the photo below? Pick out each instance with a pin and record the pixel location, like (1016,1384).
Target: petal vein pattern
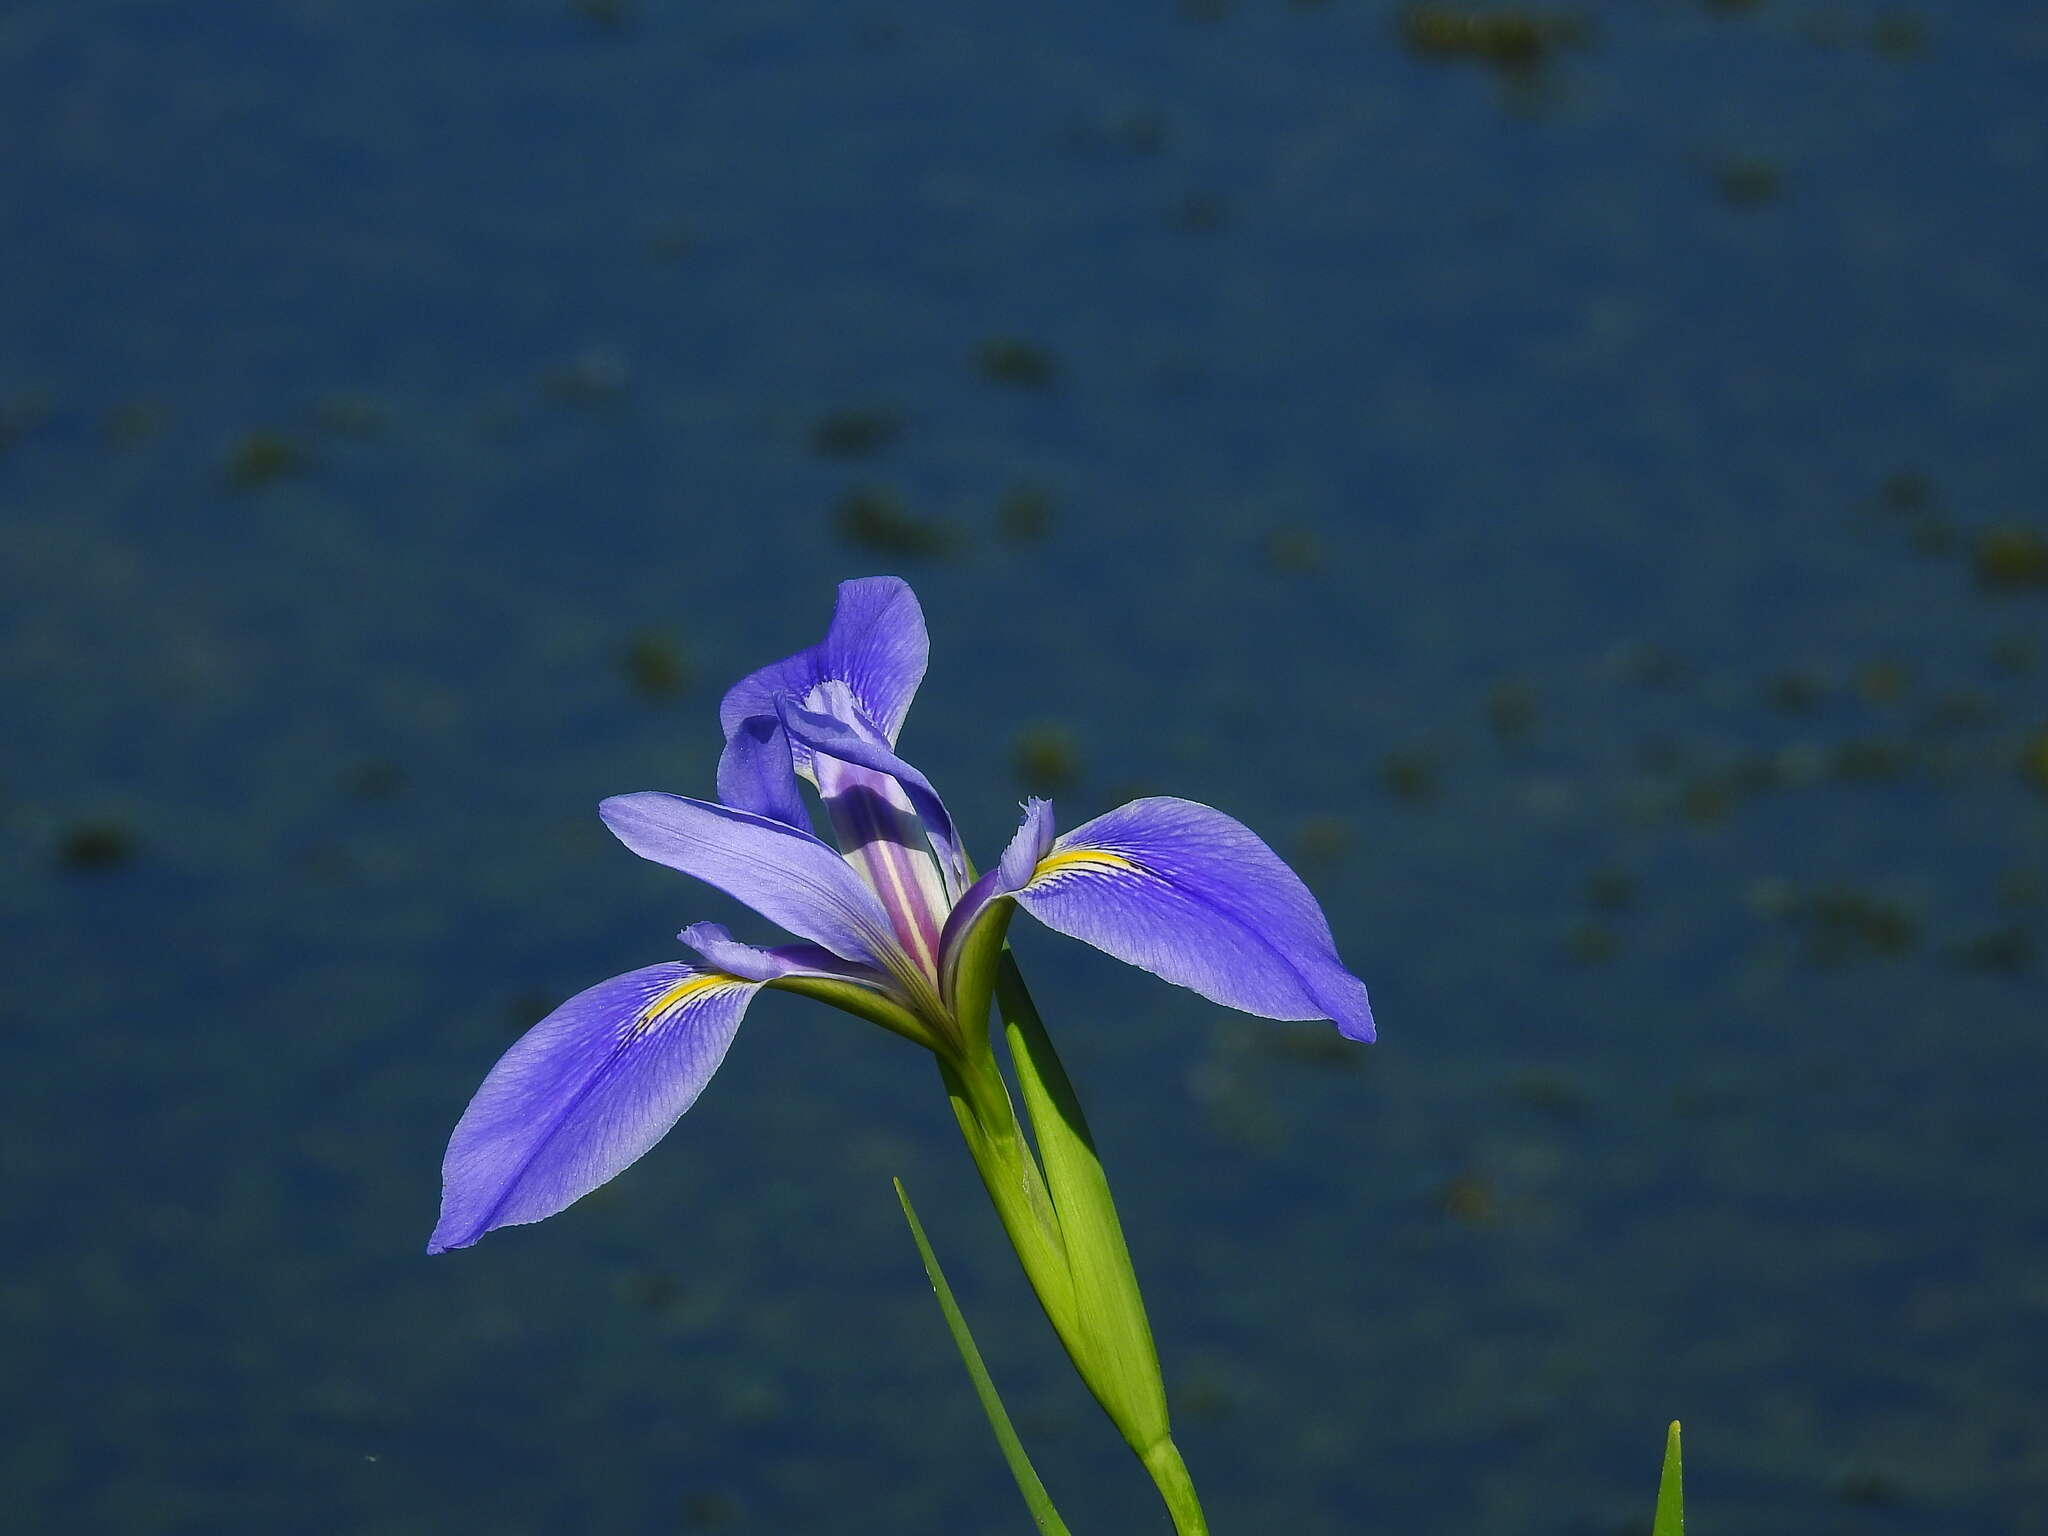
(841,740)
(875,645)
(788,876)
(757,773)
(1190,894)
(750,962)
(888,819)
(583,1094)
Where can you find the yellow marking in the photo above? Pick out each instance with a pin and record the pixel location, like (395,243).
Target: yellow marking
(658,1009)
(1086,861)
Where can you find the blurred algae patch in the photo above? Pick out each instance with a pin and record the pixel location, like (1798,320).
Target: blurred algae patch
(98,843)
(655,666)
(1013,361)
(856,431)
(1046,758)
(874,518)
(264,457)
(2012,559)
(1515,40)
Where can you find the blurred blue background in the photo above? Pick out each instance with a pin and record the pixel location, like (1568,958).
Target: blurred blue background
(1574,478)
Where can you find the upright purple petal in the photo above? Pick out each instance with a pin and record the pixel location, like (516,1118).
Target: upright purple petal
(852,743)
(1191,895)
(1031,842)
(756,773)
(581,1095)
(789,877)
(876,645)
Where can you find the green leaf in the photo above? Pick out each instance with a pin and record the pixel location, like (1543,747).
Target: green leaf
(1042,1513)
(1015,1185)
(1670,1490)
(1122,1367)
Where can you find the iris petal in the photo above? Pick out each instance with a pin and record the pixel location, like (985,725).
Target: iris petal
(1191,895)
(876,645)
(756,773)
(583,1094)
(851,744)
(1030,843)
(714,941)
(788,876)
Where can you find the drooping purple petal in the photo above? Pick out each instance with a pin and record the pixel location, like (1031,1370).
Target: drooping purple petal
(750,962)
(1189,894)
(876,645)
(788,876)
(756,773)
(858,744)
(580,1096)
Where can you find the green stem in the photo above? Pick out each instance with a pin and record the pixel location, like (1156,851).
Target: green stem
(1170,1476)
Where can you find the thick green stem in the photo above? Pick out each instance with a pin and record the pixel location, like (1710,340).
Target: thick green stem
(1176,1488)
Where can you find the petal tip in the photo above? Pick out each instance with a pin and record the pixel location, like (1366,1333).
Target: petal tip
(874,583)
(1362,1029)
(1350,1009)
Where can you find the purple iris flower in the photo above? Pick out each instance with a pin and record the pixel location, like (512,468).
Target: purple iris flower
(1174,887)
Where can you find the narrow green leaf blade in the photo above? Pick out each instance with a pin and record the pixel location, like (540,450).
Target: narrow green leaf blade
(1670,1490)
(1043,1514)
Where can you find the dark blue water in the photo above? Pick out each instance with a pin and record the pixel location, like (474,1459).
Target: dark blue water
(1587,510)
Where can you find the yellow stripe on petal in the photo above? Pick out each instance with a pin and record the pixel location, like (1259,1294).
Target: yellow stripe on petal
(1079,861)
(659,1009)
